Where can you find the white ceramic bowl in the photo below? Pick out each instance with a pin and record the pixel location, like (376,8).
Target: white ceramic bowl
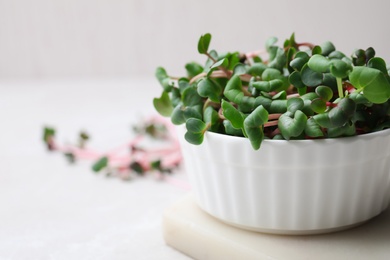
(291,187)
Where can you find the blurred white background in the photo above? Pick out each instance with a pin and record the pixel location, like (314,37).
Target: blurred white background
(121,38)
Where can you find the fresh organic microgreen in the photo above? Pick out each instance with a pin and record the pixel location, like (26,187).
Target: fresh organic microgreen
(257,69)
(191,97)
(253,126)
(137,168)
(379,64)
(300,59)
(143,157)
(306,90)
(164,79)
(294,104)
(233,90)
(70,157)
(209,89)
(211,118)
(163,104)
(310,77)
(239,69)
(292,125)
(373,82)
(230,130)
(319,63)
(235,117)
(193,69)
(312,129)
(195,131)
(203,44)
(327,48)
(340,69)
(100,164)
(318,105)
(324,92)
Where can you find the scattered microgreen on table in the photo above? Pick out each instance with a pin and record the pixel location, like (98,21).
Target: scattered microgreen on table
(132,158)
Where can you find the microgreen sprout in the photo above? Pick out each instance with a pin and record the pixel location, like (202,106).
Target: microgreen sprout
(137,157)
(298,91)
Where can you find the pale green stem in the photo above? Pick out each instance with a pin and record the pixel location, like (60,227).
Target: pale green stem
(340,87)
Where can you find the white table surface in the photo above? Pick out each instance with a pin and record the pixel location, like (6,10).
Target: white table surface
(52,210)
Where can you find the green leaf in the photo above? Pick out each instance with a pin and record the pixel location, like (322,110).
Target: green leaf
(48,133)
(233,90)
(190,97)
(270,74)
(193,69)
(300,59)
(318,105)
(278,106)
(336,55)
(211,118)
(137,167)
(345,109)
(239,69)
(223,62)
(316,50)
(268,86)
(270,42)
(310,77)
(203,43)
(319,63)
(230,130)
(312,129)
(327,47)
(195,125)
(323,120)
(257,69)
(294,104)
(193,112)
(175,97)
(100,164)
(292,127)
(163,104)
(324,92)
(369,53)
(375,85)
(183,84)
(379,64)
(233,60)
(280,95)
(340,69)
(345,130)
(195,131)
(295,79)
(209,89)
(163,78)
(279,61)
(177,116)
(232,114)
(253,126)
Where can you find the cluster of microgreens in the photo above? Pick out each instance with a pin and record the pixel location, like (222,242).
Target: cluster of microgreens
(299,91)
(132,157)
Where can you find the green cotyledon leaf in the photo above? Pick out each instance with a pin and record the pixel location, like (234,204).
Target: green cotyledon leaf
(253,126)
(163,105)
(195,131)
(203,43)
(209,89)
(373,82)
(292,127)
(232,114)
